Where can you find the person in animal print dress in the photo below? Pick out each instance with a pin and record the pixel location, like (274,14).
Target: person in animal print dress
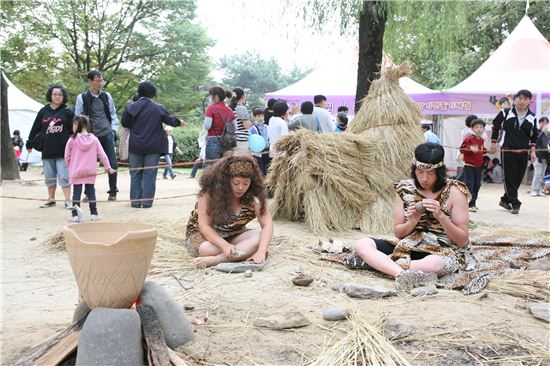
(232,194)
(430,222)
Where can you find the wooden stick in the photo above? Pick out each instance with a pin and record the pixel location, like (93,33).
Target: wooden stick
(154,336)
(175,359)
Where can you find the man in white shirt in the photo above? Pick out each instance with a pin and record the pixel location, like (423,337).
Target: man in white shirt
(278,125)
(326,122)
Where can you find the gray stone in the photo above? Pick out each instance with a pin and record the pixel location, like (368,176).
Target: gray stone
(188,307)
(248,273)
(177,328)
(368,292)
(238,267)
(541,264)
(333,314)
(338,287)
(110,337)
(424,291)
(397,329)
(540,310)
(292,319)
(81,310)
(302,280)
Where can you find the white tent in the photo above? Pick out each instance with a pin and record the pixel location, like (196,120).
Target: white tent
(22,111)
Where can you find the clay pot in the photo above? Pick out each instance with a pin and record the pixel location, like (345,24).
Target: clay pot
(110,261)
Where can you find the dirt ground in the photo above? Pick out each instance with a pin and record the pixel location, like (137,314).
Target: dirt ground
(39,292)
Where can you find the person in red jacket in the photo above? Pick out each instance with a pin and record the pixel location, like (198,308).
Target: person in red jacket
(473,149)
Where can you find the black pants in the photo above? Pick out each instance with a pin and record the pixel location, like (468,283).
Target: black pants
(108,144)
(472,178)
(263,162)
(89,190)
(514,166)
(387,248)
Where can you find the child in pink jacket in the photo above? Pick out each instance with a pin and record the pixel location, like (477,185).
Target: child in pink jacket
(81,153)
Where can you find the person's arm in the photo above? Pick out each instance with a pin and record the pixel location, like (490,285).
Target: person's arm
(404,220)
(69,151)
(35,129)
(206,229)
(533,140)
(465,146)
(208,119)
(266,223)
(497,126)
(112,111)
(456,227)
(294,123)
(79,106)
(330,122)
(169,119)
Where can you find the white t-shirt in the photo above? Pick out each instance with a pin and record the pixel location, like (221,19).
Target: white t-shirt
(170,144)
(325,119)
(277,128)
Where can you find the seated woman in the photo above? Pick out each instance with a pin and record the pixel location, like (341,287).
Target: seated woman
(232,194)
(432,237)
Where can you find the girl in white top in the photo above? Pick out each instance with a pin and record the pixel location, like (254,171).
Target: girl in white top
(278,125)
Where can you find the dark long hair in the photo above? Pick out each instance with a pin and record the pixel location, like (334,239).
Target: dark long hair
(237,95)
(82,122)
(430,153)
(215,182)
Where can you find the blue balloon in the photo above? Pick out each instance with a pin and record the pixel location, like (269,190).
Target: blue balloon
(256,143)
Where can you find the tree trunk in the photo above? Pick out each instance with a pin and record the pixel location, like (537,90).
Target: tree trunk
(371,38)
(8,164)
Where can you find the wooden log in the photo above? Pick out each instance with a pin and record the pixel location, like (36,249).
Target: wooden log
(175,359)
(55,350)
(157,353)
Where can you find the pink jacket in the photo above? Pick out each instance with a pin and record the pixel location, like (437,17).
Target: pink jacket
(81,155)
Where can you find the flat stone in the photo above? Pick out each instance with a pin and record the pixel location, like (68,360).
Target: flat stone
(302,280)
(541,264)
(397,329)
(333,314)
(188,307)
(338,287)
(33,238)
(540,310)
(368,292)
(81,310)
(424,291)
(292,319)
(175,324)
(110,337)
(238,267)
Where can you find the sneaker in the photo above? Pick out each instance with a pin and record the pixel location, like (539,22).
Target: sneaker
(164,177)
(68,205)
(472,209)
(48,204)
(95,218)
(74,219)
(112,197)
(409,279)
(515,210)
(505,205)
(173,176)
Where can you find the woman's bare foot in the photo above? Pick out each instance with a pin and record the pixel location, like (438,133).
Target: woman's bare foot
(205,262)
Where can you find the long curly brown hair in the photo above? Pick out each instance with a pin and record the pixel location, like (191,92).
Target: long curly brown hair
(215,182)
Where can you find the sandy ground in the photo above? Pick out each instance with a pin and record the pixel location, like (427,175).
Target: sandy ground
(39,293)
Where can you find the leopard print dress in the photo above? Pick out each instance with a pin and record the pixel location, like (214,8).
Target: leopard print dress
(428,235)
(236,225)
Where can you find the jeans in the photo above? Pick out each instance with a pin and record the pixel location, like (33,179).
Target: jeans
(56,169)
(214,149)
(540,169)
(143,182)
(198,163)
(108,144)
(89,191)
(168,169)
(472,178)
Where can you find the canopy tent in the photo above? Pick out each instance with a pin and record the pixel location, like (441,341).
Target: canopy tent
(337,80)
(22,111)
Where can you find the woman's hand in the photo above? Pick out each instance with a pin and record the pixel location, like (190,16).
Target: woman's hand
(258,257)
(228,250)
(433,207)
(412,215)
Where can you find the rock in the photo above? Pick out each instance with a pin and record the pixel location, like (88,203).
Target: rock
(238,267)
(424,291)
(397,329)
(333,314)
(368,292)
(540,310)
(248,273)
(177,328)
(110,337)
(302,280)
(188,307)
(81,310)
(338,287)
(33,238)
(541,264)
(292,319)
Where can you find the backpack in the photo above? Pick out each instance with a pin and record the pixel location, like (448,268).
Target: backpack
(227,138)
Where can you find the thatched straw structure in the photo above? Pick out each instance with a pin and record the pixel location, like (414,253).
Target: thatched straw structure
(343,181)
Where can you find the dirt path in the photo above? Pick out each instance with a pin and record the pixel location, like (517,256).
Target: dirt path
(39,292)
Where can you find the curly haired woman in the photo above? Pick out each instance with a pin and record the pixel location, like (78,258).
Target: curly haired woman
(232,194)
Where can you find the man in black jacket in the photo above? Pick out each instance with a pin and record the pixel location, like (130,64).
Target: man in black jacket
(99,106)
(519,135)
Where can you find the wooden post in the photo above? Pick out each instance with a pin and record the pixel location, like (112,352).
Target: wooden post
(157,353)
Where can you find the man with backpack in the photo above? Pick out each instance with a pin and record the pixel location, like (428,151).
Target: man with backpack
(519,135)
(98,105)
(220,122)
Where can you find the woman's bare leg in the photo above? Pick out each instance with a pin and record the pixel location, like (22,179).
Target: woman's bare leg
(245,244)
(430,263)
(366,249)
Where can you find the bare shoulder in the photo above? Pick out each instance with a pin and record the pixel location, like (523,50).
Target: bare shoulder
(457,195)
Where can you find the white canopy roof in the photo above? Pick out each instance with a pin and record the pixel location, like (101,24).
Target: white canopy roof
(17,100)
(521,62)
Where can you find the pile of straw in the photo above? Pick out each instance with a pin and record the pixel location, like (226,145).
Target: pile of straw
(343,181)
(533,285)
(362,345)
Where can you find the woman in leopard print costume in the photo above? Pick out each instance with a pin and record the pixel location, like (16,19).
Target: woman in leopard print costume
(232,194)
(430,221)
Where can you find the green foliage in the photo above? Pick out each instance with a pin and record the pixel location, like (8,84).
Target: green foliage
(128,40)
(258,75)
(186,138)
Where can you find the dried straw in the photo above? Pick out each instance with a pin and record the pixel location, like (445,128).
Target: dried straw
(55,242)
(534,285)
(362,345)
